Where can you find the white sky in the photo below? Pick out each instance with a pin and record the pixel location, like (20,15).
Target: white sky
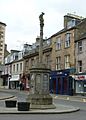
(22,18)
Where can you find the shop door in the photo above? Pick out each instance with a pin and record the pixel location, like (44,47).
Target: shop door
(54,85)
(59,85)
(65,85)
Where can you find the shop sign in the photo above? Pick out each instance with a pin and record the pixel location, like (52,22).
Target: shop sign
(80,77)
(59,73)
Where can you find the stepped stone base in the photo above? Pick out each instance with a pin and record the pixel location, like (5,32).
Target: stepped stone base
(38,101)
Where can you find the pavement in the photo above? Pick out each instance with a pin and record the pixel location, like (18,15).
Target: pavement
(58,110)
(77,98)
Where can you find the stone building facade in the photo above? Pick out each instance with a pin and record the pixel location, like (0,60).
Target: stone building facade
(63,43)
(2,41)
(63,54)
(31,58)
(80,76)
(60,50)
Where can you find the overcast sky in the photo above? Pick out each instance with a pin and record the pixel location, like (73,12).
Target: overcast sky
(22,18)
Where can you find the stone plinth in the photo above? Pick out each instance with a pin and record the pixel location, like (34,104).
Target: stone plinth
(38,101)
(39,97)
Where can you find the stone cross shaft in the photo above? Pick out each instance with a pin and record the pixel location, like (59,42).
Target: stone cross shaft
(41,37)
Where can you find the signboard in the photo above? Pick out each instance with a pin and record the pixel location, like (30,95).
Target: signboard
(80,77)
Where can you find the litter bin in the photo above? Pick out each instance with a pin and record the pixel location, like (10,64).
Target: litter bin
(23,106)
(10,103)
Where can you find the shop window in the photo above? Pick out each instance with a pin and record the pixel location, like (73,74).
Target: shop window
(85,86)
(58,63)
(80,66)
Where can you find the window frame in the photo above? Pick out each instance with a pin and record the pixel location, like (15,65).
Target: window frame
(79,46)
(58,43)
(67,61)
(67,40)
(58,63)
(80,66)
(17,67)
(14,68)
(21,66)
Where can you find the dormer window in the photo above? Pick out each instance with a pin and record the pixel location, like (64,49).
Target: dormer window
(71,23)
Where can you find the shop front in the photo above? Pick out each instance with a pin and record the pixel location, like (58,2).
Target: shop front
(80,84)
(61,82)
(14,82)
(25,80)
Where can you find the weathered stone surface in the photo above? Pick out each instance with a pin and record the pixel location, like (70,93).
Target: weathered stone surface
(39,97)
(40,101)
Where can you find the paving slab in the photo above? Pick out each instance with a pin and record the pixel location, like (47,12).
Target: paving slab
(4,96)
(58,110)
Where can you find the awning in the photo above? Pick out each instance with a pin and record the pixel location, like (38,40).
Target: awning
(15,78)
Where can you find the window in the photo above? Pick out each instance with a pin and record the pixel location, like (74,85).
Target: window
(71,23)
(20,66)
(32,62)
(48,59)
(67,40)
(58,63)
(1,34)
(48,41)
(58,43)
(26,64)
(1,45)
(17,67)
(80,66)
(37,59)
(13,68)
(79,46)
(67,61)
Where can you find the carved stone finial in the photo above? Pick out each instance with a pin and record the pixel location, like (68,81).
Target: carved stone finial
(41,19)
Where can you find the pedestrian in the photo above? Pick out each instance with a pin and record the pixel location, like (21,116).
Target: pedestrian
(20,85)
(23,86)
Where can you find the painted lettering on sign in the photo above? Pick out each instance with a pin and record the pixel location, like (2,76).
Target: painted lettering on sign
(80,77)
